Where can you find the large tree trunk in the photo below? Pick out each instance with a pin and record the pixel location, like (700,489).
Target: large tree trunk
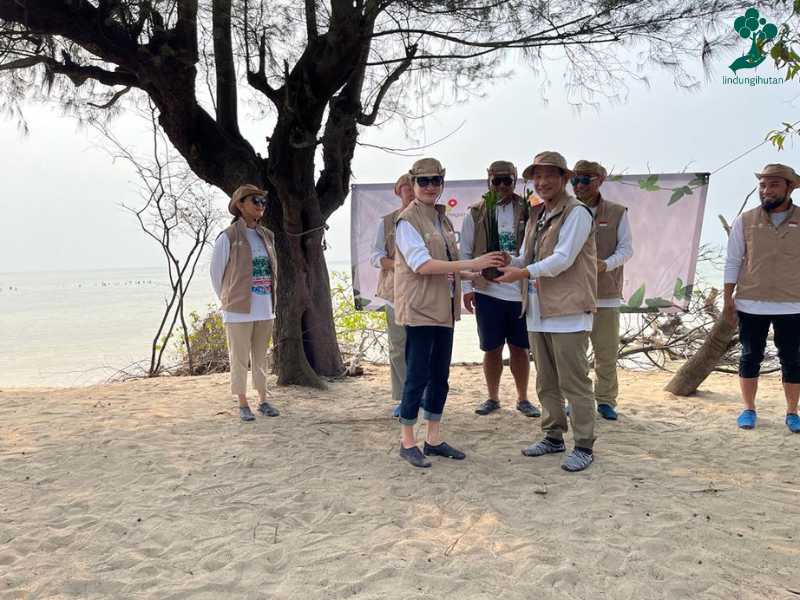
(305,336)
(695,370)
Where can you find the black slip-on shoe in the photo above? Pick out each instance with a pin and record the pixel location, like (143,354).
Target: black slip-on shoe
(414,456)
(443,449)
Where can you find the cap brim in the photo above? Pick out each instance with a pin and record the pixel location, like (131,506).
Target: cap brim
(528,172)
(794,181)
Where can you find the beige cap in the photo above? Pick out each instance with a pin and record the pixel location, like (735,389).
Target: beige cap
(589,168)
(426,167)
(779,170)
(242,192)
(404,179)
(502,167)
(546,159)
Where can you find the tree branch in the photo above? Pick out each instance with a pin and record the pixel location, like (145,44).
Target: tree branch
(311,20)
(369,119)
(227,116)
(78,74)
(258,79)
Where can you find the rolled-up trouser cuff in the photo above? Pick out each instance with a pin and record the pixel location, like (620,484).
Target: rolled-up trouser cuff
(429,416)
(584,444)
(408,421)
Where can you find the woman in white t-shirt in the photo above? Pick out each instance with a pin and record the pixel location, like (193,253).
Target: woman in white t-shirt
(243,269)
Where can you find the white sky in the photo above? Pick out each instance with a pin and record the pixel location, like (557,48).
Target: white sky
(59,207)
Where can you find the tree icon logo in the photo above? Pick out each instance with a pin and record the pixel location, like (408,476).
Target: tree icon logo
(753,27)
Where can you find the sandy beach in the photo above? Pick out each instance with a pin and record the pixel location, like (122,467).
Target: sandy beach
(154,489)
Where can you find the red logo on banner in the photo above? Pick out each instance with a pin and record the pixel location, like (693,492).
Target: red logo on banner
(452,202)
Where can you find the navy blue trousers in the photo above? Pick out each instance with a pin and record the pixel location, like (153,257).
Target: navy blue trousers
(428,353)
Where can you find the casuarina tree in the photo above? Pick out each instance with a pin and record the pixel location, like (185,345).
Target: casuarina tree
(320,71)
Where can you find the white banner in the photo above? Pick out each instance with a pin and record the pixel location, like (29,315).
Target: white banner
(665,213)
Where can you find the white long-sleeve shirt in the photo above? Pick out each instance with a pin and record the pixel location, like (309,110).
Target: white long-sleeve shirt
(573,234)
(261,293)
(622,254)
(378,246)
(506,230)
(379,252)
(733,263)
(411,245)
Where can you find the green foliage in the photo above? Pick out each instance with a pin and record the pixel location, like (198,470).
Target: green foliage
(679,193)
(658,303)
(354,325)
(637,298)
(650,184)
(208,343)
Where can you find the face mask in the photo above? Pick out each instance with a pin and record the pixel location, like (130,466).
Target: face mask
(770,205)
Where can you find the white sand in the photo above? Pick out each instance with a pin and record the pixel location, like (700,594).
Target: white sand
(154,489)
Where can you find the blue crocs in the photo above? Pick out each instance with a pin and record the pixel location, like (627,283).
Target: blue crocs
(793,423)
(747,420)
(607,412)
(396,411)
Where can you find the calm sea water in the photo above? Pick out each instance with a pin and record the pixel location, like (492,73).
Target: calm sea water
(73,328)
(79,327)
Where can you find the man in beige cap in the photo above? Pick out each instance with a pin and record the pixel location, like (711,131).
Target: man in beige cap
(559,277)
(497,306)
(614,249)
(763,267)
(382,258)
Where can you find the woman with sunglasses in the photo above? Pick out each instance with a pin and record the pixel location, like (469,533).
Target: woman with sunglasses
(427,291)
(243,269)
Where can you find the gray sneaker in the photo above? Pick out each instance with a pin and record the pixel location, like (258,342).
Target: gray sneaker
(578,460)
(528,409)
(546,446)
(266,409)
(245,414)
(487,406)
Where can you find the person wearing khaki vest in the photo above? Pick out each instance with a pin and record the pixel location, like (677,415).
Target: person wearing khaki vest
(243,274)
(763,268)
(427,300)
(614,249)
(497,306)
(558,270)
(382,258)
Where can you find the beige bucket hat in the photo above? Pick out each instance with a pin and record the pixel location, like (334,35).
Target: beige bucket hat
(547,158)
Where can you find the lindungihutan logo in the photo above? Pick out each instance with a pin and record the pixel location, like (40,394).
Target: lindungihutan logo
(755,28)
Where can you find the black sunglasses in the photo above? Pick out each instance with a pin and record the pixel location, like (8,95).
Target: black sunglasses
(505,180)
(582,179)
(258,200)
(435,181)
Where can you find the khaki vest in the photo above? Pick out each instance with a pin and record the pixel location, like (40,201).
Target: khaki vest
(606,222)
(386,277)
(771,267)
(237,280)
(572,291)
(478,212)
(425,299)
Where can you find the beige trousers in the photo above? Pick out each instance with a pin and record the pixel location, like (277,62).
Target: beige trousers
(562,371)
(605,344)
(397,354)
(247,346)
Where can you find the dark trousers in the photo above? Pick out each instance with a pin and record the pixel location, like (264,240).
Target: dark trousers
(428,353)
(753,330)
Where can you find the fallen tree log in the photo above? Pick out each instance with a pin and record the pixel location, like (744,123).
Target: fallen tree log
(695,370)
